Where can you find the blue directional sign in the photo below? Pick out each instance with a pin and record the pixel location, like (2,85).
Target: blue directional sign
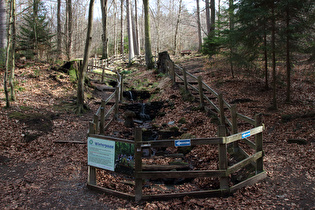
(182,143)
(246,134)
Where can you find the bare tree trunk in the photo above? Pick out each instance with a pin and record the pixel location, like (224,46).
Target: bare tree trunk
(130,34)
(35,13)
(208,16)
(8,51)
(231,17)
(12,51)
(69,27)
(137,27)
(273,49)
(158,15)
(122,27)
(288,92)
(134,32)
(177,26)
(148,50)
(3,33)
(212,23)
(104,22)
(83,68)
(266,57)
(115,28)
(199,27)
(59,29)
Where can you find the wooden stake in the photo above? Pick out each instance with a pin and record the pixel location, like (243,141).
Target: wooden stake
(138,164)
(185,79)
(259,145)
(221,106)
(223,163)
(201,92)
(234,126)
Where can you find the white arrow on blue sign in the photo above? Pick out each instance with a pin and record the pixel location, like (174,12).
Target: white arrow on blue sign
(182,143)
(246,134)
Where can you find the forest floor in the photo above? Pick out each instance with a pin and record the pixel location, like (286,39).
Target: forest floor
(37,173)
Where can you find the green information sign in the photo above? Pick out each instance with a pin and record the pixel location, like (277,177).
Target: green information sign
(101,153)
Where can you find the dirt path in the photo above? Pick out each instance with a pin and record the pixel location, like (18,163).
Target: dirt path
(41,174)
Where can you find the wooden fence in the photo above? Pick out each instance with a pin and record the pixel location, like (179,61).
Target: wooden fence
(228,125)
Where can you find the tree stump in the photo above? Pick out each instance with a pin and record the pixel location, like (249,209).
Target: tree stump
(161,63)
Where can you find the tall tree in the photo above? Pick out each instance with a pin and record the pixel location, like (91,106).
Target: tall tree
(115,26)
(122,27)
(137,38)
(10,52)
(199,27)
(212,21)
(148,50)
(207,3)
(35,35)
(104,23)
(177,26)
(134,31)
(130,32)
(83,67)
(69,27)
(59,28)
(158,22)
(273,51)
(3,35)
(231,37)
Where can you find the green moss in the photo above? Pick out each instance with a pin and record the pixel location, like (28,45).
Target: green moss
(73,75)
(174,129)
(182,121)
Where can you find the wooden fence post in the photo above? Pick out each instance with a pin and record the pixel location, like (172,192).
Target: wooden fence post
(185,79)
(201,92)
(259,145)
(221,106)
(103,72)
(223,161)
(116,102)
(102,120)
(121,87)
(91,169)
(234,126)
(96,122)
(138,164)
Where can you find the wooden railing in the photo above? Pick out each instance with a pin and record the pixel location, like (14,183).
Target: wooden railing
(233,141)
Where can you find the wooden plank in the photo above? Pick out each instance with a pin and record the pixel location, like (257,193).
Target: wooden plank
(165,167)
(171,142)
(180,174)
(198,194)
(240,135)
(211,90)
(182,83)
(249,181)
(111,138)
(111,192)
(249,143)
(246,119)
(70,142)
(243,163)
(212,104)
(192,76)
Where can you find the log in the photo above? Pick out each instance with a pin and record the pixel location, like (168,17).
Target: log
(164,167)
